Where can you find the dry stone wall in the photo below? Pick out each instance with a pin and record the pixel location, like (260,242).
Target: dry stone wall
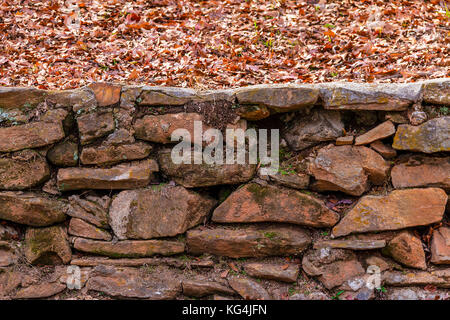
(87,180)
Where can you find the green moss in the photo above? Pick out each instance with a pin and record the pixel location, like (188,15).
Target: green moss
(259,192)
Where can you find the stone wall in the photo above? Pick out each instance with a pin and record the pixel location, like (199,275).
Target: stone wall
(86,179)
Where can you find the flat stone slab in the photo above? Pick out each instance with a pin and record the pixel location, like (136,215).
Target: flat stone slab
(16,97)
(106,94)
(278,272)
(259,203)
(64,154)
(163,96)
(437,91)
(40,291)
(31,209)
(399,209)
(94,125)
(129,248)
(248,242)
(384,130)
(201,288)
(407,249)
(81,228)
(350,244)
(385,150)
(440,246)
(160,211)
(31,135)
(431,136)
(248,289)
(124,176)
(437,278)
(91,209)
(112,154)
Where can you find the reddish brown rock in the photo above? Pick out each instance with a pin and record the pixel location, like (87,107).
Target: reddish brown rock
(106,94)
(91,209)
(258,203)
(7,254)
(131,283)
(31,135)
(422,172)
(386,151)
(431,136)
(80,228)
(398,210)
(437,278)
(348,169)
(248,289)
(161,211)
(408,250)
(253,112)
(64,154)
(31,209)
(201,288)
(278,272)
(48,245)
(94,125)
(124,176)
(384,130)
(204,175)
(111,154)
(163,96)
(40,291)
(254,241)
(129,248)
(350,244)
(23,170)
(437,91)
(342,141)
(288,179)
(440,246)
(17,97)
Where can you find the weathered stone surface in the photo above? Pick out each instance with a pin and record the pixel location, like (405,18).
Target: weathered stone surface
(258,203)
(248,289)
(386,151)
(369,96)
(422,172)
(408,250)
(253,112)
(7,254)
(12,97)
(278,97)
(31,209)
(161,211)
(129,248)
(131,283)
(31,135)
(81,99)
(160,128)
(383,263)
(440,246)
(111,154)
(124,176)
(91,209)
(106,94)
(320,125)
(157,96)
(431,136)
(64,154)
(348,169)
(310,296)
(48,245)
(119,137)
(437,278)
(40,291)
(347,140)
(81,228)
(8,233)
(332,266)
(290,179)
(201,288)
(437,91)
(398,210)
(384,130)
(248,242)
(139,262)
(22,170)
(350,244)
(278,272)
(204,175)
(417,294)
(95,125)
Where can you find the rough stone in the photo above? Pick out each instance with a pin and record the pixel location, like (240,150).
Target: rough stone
(64,154)
(348,169)
(384,130)
(111,154)
(23,170)
(437,278)
(92,209)
(386,151)
(253,241)
(124,176)
(257,203)
(106,94)
(157,96)
(319,126)
(408,250)
(7,254)
(81,228)
(290,179)
(422,172)
(48,245)
(8,233)
(440,246)
(431,136)
(204,175)
(347,140)
(253,112)
(278,272)
(161,211)
(81,99)
(31,209)
(31,135)
(201,288)
(40,291)
(95,125)
(350,244)
(437,91)
(129,248)
(398,210)
(12,97)
(248,289)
